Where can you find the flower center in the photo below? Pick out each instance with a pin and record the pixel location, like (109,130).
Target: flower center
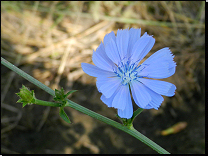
(126,72)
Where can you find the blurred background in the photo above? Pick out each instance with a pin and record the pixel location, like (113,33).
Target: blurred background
(50,40)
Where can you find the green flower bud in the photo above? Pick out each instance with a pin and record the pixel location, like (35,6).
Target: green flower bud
(26,96)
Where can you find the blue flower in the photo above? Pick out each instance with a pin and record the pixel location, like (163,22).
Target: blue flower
(118,71)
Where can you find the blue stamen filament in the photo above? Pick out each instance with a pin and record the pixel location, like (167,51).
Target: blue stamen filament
(127,72)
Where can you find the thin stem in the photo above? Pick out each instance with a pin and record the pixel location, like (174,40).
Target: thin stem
(26,76)
(147,141)
(137,112)
(108,121)
(86,111)
(47,103)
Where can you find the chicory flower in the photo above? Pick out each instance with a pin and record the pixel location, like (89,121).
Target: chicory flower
(120,74)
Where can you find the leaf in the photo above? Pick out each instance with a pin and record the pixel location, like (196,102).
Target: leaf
(63,115)
(24,104)
(60,96)
(72,91)
(137,112)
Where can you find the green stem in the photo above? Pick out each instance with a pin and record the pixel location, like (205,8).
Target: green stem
(86,111)
(137,112)
(47,103)
(130,131)
(26,76)
(147,141)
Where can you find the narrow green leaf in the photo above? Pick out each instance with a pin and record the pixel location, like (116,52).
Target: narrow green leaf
(137,112)
(72,91)
(63,115)
(24,104)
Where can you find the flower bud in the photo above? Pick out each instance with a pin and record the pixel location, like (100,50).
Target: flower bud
(26,96)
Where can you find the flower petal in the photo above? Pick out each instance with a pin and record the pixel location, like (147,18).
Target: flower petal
(156,99)
(107,101)
(142,47)
(112,51)
(108,37)
(134,35)
(101,60)
(108,86)
(163,55)
(122,97)
(157,70)
(140,94)
(122,41)
(95,71)
(128,111)
(160,87)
